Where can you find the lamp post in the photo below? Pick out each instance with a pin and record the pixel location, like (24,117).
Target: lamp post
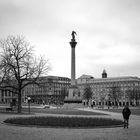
(29,101)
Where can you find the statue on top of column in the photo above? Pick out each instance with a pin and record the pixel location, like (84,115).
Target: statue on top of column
(73,35)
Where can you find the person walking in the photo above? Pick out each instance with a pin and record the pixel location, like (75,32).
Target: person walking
(126,114)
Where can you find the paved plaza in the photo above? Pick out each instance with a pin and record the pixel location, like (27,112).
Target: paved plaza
(9,132)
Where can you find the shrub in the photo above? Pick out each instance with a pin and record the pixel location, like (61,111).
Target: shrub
(58,121)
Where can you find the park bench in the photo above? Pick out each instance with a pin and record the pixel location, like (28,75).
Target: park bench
(101,107)
(6,109)
(115,107)
(9,109)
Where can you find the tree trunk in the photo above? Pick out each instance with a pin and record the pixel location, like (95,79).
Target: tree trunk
(19,102)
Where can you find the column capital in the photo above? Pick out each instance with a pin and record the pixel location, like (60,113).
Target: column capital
(73,43)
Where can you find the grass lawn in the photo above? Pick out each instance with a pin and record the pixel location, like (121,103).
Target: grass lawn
(134,111)
(64,111)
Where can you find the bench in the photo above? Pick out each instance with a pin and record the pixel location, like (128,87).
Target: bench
(9,109)
(101,107)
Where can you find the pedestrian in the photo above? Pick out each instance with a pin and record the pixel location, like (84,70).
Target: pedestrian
(126,113)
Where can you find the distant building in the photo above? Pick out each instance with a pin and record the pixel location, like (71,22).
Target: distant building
(101,88)
(49,87)
(7,96)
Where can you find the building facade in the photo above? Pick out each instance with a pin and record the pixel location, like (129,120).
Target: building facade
(103,87)
(49,87)
(7,96)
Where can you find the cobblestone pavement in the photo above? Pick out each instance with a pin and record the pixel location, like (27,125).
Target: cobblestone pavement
(9,132)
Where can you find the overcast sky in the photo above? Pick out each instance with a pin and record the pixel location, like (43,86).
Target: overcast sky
(108,33)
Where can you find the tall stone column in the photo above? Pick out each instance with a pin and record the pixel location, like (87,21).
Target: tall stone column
(73,90)
(73,69)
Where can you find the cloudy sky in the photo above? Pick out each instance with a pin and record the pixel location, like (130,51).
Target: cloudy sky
(108,33)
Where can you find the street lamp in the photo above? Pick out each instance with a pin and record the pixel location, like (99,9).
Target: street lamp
(29,101)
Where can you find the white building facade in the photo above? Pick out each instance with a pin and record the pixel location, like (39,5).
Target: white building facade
(101,89)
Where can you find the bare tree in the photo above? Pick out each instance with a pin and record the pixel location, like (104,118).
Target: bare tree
(18,65)
(129,95)
(115,94)
(87,93)
(61,96)
(133,94)
(103,96)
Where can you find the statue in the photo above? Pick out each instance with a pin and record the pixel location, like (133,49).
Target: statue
(73,35)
